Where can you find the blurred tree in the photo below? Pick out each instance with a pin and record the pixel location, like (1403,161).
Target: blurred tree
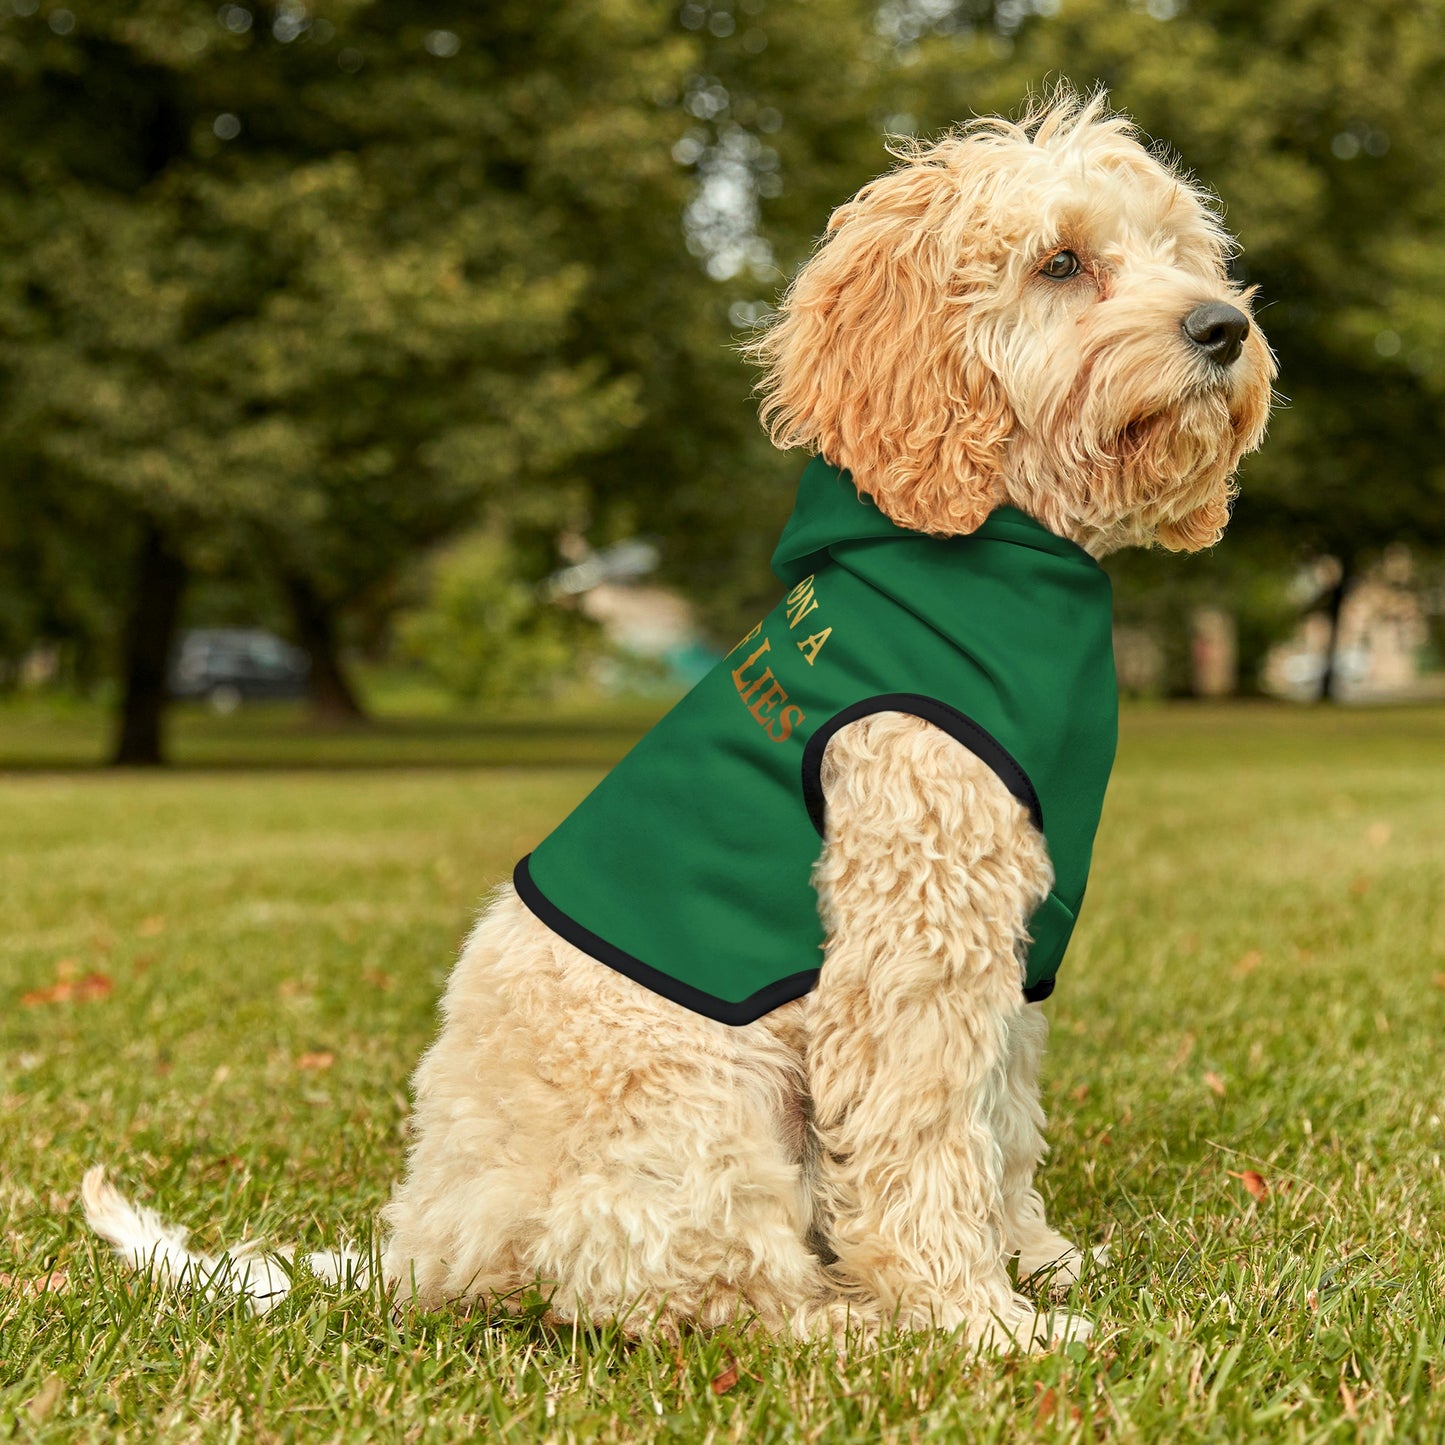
(301,282)
(1163,593)
(486,633)
(59,574)
(326,283)
(780,113)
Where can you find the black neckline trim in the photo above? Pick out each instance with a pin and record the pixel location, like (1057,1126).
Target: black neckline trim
(745,1011)
(956,724)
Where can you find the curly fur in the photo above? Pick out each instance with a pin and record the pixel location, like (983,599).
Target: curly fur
(866,1155)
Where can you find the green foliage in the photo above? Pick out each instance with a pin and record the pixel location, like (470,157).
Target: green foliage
(1254,868)
(314,286)
(488,635)
(322,298)
(61,568)
(778,121)
(309,296)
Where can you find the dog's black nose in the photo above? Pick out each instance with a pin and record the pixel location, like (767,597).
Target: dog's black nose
(1218,331)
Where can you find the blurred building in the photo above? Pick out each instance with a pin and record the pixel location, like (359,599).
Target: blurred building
(656,641)
(1378,657)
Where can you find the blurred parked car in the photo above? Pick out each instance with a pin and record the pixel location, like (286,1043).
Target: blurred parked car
(230,665)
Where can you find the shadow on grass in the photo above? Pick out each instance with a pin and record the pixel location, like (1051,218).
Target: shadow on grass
(279,737)
(594,733)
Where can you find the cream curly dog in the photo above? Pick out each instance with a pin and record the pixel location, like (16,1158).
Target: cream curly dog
(1033,315)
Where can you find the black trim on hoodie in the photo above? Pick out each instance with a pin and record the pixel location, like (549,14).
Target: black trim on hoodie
(978,741)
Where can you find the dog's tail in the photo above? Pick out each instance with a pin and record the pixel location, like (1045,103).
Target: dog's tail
(147,1243)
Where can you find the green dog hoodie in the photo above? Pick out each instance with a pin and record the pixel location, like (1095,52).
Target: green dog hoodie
(688,866)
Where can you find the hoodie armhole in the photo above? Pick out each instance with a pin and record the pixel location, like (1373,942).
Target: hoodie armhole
(948,719)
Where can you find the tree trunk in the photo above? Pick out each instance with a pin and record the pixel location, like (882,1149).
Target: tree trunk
(150,630)
(1329,677)
(333,699)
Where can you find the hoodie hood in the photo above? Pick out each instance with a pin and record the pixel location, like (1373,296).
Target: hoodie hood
(829,513)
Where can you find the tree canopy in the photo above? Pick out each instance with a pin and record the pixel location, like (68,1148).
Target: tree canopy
(312,287)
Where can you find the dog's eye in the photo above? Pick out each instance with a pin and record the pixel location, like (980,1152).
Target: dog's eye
(1060,266)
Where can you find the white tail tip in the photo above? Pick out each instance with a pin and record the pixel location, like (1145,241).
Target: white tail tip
(147,1243)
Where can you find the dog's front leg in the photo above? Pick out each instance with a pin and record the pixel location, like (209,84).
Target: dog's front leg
(1042,1251)
(928,876)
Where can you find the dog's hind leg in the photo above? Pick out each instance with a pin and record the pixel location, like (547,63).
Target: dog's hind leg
(577,1135)
(678,1196)
(928,876)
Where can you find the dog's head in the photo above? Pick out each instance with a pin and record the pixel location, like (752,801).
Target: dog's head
(1034,313)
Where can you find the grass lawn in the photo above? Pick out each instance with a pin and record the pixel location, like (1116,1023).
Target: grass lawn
(216,980)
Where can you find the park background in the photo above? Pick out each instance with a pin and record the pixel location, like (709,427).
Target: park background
(408,333)
(360,323)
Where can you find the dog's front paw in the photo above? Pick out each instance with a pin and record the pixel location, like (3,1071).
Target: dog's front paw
(1023,1326)
(1057,1266)
(1060,1327)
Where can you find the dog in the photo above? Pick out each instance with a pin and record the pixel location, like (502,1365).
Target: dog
(1023,336)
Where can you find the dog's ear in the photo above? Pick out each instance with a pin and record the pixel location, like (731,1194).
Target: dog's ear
(873,359)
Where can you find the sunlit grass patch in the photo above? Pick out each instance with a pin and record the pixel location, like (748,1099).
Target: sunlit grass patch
(1244,1091)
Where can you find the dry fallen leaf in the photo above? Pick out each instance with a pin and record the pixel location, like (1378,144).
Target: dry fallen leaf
(320,1059)
(1359,886)
(45,1399)
(82,990)
(1214,1083)
(1080,1094)
(56,993)
(56,1282)
(1254,1183)
(724,1382)
(1181,1054)
(1047,1407)
(151,927)
(1248,963)
(1440,980)
(377,978)
(1377,834)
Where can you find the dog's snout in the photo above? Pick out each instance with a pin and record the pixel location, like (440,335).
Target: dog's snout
(1218,330)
